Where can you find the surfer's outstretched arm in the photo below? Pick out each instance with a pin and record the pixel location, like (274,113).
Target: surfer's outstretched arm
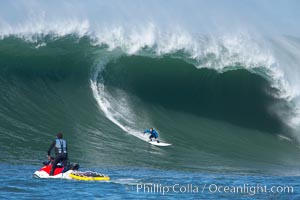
(147,131)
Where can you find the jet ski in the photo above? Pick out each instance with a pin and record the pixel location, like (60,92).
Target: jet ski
(68,171)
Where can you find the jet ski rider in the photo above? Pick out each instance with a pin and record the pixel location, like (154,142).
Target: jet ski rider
(61,151)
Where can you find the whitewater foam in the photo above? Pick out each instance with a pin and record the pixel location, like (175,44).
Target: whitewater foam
(116,108)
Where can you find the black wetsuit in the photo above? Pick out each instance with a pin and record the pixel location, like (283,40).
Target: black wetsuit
(60,154)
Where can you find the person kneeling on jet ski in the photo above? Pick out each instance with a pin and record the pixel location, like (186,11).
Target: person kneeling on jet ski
(61,152)
(153,134)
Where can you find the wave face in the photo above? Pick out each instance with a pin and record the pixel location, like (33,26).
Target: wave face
(238,96)
(229,99)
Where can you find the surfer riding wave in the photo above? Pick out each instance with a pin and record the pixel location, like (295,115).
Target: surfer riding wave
(153,134)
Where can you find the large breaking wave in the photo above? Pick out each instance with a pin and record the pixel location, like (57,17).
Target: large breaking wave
(205,92)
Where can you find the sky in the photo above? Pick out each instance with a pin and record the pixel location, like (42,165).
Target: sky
(262,16)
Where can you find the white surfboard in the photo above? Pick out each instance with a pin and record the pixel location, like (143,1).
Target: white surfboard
(145,137)
(162,144)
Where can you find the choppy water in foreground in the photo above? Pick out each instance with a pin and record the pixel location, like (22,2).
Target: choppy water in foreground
(141,183)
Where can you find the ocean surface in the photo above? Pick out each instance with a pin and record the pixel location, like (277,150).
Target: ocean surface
(227,102)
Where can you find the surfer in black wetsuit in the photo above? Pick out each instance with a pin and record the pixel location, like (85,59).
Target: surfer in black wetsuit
(61,152)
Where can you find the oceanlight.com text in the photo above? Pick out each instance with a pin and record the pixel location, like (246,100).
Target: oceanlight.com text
(248,189)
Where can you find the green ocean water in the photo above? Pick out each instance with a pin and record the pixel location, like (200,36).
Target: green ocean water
(215,121)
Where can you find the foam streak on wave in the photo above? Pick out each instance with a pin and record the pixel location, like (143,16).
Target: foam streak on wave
(116,109)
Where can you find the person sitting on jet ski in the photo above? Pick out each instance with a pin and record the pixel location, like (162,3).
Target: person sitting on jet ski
(153,134)
(61,151)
